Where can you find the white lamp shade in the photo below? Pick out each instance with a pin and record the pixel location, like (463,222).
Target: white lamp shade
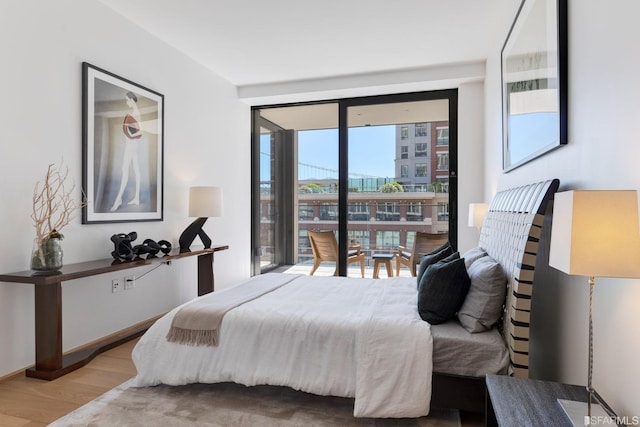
(595,233)
(477,212)
(205,202)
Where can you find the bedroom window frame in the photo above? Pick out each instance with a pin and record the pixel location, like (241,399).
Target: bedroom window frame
(288,235)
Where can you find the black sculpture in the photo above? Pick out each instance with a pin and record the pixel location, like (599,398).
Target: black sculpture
(122,246)
(125,251)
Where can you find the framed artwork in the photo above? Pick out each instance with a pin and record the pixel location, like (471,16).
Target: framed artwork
(122,149)
(534,82)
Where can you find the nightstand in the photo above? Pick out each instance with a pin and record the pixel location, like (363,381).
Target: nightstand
(523,402)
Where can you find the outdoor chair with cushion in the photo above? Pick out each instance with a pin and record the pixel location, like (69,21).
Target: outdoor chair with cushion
(325,248)
(423,243)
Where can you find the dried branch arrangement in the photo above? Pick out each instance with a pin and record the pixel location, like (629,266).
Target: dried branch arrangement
(53,205)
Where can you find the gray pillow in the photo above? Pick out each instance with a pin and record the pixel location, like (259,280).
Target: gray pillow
(472,255)
(442,290)
(483,304)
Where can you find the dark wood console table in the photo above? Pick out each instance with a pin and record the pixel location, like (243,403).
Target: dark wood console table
(50,362)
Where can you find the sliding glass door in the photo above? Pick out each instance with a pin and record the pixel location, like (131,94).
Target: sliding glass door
(398,174)
(294,181)
(373,170)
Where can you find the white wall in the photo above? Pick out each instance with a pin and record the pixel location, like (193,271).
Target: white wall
(470,159)
(603,153)
(42,46)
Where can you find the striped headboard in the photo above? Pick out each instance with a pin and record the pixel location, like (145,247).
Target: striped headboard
(510,234)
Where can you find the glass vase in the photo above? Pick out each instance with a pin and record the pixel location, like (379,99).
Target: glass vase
(47,256)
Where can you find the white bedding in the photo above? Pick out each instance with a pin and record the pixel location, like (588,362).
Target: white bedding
(360,338)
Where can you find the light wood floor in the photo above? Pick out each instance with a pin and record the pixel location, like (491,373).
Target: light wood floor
(36,403)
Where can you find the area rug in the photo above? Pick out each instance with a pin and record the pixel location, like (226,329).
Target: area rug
(230,404)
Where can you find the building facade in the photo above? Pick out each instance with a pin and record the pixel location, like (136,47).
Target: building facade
(422,155)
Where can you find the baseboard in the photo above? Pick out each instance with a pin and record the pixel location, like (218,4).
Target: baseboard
(103,344)
(116,335)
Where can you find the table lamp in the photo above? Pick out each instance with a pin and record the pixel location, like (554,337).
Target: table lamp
(204,202)
(477,212)
(594,233)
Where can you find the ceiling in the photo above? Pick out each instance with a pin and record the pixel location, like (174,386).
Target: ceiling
(258,42)
(325,116)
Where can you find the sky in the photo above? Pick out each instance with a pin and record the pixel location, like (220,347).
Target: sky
(530,133)
(371,152)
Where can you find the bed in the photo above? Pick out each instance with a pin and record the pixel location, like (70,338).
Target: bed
(357,338)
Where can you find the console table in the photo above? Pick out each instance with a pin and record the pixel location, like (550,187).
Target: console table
(50,362)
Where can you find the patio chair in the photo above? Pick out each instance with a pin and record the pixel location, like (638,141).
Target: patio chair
(325,248)
(422,245)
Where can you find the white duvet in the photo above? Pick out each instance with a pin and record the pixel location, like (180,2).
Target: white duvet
(359,338)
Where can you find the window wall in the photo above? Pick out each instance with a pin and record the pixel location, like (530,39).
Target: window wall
(370,169)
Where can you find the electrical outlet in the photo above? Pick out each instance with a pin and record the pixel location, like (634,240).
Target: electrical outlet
(129,282)
(117,285)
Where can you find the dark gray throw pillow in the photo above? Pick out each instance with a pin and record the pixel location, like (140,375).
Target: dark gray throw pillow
(432,257)
(442,291)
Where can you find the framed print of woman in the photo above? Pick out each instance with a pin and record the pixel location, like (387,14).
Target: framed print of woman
(123,145)
(132,130)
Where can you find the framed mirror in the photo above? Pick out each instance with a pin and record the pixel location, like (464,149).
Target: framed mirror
(534,82)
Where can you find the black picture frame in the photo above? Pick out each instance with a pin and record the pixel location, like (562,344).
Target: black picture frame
(534,82)
(122,149)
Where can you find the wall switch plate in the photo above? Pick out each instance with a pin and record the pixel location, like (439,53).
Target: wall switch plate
(117,285)
(129,282)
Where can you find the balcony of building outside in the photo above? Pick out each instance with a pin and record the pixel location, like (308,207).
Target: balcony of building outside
(377,221)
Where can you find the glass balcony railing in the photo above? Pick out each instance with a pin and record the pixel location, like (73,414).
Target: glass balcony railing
(378,221)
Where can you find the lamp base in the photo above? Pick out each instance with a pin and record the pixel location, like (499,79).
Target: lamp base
(577,412)
(190,233)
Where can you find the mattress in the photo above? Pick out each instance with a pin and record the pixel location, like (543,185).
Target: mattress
(457,352)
